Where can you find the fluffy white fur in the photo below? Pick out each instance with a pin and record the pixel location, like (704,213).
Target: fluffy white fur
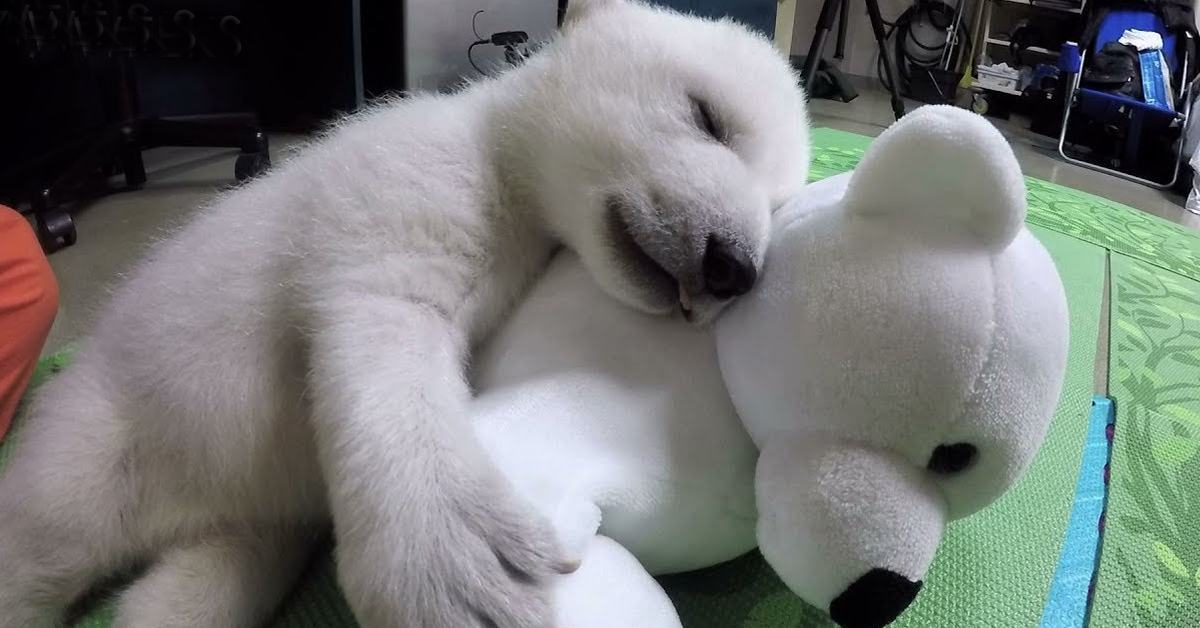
(903,307)
(296,354)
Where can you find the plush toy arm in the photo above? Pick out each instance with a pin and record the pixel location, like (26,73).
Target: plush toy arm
(611,590)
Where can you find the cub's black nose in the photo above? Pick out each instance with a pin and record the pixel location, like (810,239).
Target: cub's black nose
(728,271)
(874,600)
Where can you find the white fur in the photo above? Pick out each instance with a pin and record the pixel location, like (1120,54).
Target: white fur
(297,353)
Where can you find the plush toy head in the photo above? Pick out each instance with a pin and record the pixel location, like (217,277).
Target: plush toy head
(898,362)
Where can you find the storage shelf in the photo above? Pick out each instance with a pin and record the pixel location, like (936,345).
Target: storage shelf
(996,41)
(1040,5)
(978,85)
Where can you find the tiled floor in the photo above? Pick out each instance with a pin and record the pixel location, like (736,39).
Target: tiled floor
(116,231)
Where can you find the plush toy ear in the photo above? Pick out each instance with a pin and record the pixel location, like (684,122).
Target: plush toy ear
(944,169)
(580,9)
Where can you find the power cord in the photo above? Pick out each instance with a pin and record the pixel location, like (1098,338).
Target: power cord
(479,40)
(910,53)
(513,42)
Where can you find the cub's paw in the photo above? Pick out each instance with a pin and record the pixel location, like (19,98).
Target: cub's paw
(477,557)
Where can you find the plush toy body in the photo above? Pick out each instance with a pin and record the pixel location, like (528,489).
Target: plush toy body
(593,410)
(617,423)
(895,368)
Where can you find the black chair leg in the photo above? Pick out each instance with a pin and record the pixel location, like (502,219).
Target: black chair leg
(231,130)
(131,157)
(125,142)
(889,64)
(55,227)
(816,48)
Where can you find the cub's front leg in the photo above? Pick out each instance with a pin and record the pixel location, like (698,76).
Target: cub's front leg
(429,534)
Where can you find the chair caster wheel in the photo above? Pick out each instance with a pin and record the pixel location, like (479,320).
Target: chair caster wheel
(55,229)
(250,165)
(980,104)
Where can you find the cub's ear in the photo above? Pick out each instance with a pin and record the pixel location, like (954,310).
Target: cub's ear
(580,9)
(944,169)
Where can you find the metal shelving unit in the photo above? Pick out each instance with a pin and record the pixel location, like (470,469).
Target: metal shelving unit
(1052,6)
(996,41)
(984,33)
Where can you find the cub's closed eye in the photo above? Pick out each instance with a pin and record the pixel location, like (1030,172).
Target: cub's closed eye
(951,459)
(709,123)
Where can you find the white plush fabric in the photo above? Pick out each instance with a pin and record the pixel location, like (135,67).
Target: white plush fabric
(612,590)
(608,418)
(917,312)
(902,307)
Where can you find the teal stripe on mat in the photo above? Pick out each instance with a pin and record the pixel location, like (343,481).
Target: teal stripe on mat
(1066,607)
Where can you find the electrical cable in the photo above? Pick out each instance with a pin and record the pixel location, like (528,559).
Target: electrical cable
(906,43)
(479,41)
(471,49)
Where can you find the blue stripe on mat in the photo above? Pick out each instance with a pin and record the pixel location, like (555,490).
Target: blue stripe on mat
(1066,607)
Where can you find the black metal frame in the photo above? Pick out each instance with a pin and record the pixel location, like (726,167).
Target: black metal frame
(829,10)
(1183,116)
(122,142)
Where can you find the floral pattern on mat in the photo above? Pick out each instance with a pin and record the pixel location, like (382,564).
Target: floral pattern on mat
(1114,226)
(1150,558)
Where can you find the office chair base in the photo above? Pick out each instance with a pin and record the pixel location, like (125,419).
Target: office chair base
(55,229)
(122,143)
(250,165)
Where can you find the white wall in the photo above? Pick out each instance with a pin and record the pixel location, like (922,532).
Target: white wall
(861,50)
(437,33)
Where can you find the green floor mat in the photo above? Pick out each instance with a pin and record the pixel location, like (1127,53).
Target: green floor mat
(994,569)
(835,152)
(1085,216)
(1150,558)
(46,367)
(317,602)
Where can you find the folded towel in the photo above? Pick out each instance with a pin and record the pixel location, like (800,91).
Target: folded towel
(1142,40)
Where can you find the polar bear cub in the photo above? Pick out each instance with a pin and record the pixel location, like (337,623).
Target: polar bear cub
(295,356)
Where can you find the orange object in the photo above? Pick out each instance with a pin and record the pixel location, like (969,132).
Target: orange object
(28,302)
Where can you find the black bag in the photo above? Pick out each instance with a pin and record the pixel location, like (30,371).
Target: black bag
(1115,68)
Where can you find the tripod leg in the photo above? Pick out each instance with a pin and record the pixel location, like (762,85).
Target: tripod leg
(817,47)
(889,66)
(843,23)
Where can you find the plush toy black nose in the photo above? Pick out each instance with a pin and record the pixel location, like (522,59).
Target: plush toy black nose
(874,600)
(728,271)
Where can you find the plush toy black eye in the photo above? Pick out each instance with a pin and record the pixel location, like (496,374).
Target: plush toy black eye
(705,119)
(949,459)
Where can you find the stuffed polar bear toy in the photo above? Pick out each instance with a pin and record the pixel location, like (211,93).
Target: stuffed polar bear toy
(895,368)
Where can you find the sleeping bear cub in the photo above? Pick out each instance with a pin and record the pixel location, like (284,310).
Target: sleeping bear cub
(294,357)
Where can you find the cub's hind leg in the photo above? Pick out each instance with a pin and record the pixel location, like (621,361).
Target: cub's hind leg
(235,579)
